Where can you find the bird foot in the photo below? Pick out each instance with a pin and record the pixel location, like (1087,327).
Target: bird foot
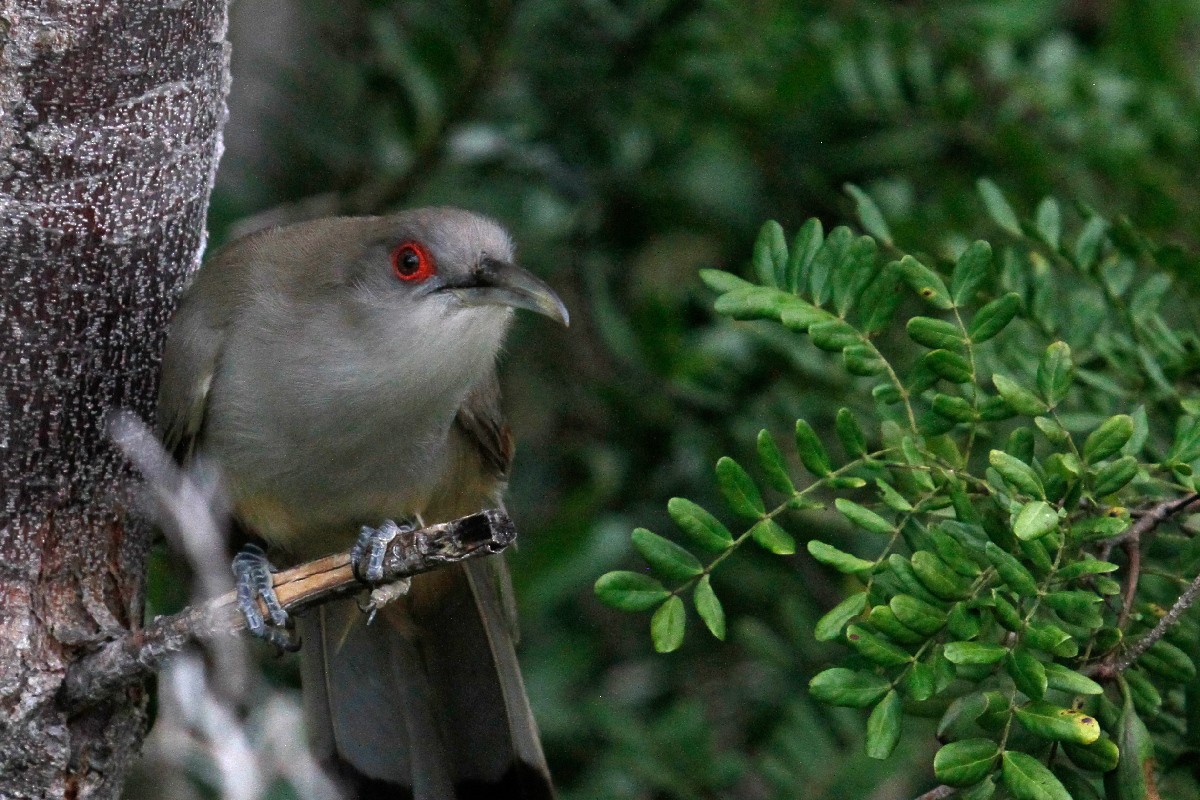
(366,559)
(252,572)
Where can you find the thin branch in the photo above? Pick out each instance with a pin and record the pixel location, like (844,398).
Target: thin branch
(1133,551)
(1182,604)
(1150,519)
(124,662)
(938,793)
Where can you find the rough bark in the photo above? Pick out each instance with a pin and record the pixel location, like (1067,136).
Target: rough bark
(110,126)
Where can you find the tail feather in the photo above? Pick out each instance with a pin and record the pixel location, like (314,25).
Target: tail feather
(428,701)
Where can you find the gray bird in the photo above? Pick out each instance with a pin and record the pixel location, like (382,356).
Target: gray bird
(340,373)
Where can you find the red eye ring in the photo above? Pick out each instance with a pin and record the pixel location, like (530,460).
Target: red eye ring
(412,263)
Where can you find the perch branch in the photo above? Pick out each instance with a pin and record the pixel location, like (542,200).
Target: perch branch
(938,793)
(121,663)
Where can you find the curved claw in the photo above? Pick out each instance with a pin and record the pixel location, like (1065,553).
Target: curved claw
(366,557)
(252,572)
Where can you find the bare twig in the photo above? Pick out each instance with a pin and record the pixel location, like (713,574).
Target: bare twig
(1182,604)
(1150,519)
(122,662)
(1130,540)
(938,793)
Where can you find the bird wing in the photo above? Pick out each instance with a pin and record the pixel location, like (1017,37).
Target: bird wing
(189,363)
(482,422)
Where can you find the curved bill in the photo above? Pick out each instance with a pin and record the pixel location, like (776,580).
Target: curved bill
(501,283)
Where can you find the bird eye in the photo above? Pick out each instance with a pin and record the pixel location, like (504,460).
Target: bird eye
(411,262)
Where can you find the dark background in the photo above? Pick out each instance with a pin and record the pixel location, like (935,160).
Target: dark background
(626,145)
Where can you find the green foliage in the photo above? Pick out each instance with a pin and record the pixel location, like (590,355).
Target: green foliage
(982,503)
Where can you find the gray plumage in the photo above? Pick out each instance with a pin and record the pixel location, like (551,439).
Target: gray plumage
(333,393)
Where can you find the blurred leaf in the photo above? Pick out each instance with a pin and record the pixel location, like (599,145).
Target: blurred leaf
(630,591)
(997,206)
(869,214)
(771,255)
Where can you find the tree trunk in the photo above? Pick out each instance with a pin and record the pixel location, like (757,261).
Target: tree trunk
(110,131)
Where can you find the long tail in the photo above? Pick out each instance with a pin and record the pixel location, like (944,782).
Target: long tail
(427,702)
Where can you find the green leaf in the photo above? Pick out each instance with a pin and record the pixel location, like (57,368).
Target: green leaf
(1165,659)
(1101,755)
(863,360)
(833,335)
(974,652)
(769,535)
(1055,373)
(851,277)
(709,607)
(664,556)
(843,687)
(864,517)
(771,255)
(1134,776)
(738,489)
(935,333)
(1186,446)
(772,463)
(808,241)
(963,623)
(1017,473)
(1065,679)
(1087,566)
(839,560)
(920,682)
(829,626)
(1035,520)
(970,272)
(1028,779)
(1028,674)
(997,206)
(832,253)
(1091,239)
(1108,439)
(1011,571)
(666,626)
(879,301)
(883,726)
(1058,724)
(1048,221)
(949,366)
(761,302)
(956,409)
(994,317)
(799,316)
(851,433)
(630,591)
(812,452)
(883,619)
(965,763)
(924,618)
(1113,476)
(869,214)
(1019,399)
(891,498)
(939,577)
(876,649)
(701,527)
(721,281)
(925,282)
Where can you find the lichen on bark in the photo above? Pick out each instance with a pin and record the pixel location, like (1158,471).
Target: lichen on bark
(110,131)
